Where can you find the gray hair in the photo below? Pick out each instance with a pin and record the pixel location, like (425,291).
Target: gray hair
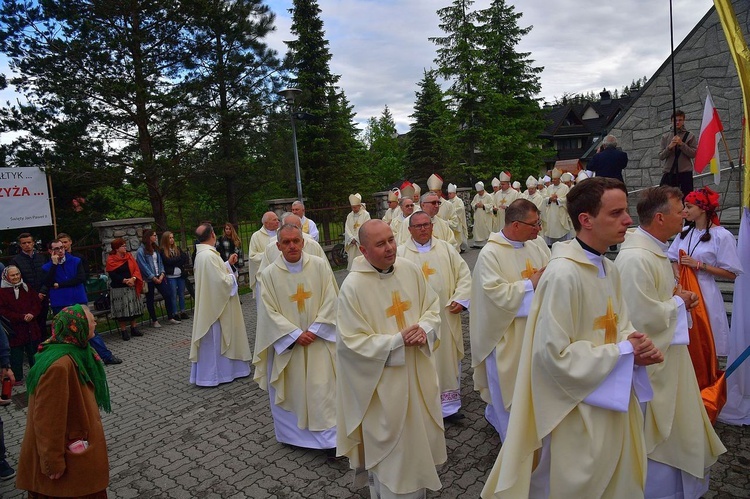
(298,203)
(426,195)
(609,141)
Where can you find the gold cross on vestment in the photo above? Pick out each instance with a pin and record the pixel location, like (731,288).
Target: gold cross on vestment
(502,203)
(608,322)
(397,309)
(526,274)
(300,296)
(427,271)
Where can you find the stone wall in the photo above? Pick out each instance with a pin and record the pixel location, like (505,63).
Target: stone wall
(701,60)
(130,229)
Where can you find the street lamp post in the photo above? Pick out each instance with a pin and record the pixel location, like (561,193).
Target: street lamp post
(289,94)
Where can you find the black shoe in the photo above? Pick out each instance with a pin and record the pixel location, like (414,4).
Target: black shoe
(135,332)
(6,472)
(113,360)
(125,335)
(453,418)
(184,315)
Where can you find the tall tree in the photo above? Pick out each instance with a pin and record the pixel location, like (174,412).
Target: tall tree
(330,154)
(233,80)
(386,153)
(431,134)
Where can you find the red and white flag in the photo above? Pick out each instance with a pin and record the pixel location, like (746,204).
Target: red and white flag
(708,141)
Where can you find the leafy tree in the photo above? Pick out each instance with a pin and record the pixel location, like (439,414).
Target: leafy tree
(386,153)
(329,153)
(431,134)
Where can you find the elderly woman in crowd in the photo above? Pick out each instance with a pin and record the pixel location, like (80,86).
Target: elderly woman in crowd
(126,285)
(64,453)
(20,305)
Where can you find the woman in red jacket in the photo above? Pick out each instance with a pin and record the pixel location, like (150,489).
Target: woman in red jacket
(20,304)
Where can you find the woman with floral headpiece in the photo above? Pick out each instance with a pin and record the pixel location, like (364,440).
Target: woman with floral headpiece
(64,453)
(702,252)
(20,304)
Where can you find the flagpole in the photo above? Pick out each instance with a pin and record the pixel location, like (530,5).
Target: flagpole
(671,57)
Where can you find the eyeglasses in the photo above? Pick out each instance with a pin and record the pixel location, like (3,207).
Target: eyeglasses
(431,202)
(421,226)
(58,248)
(408,206)
(538,223)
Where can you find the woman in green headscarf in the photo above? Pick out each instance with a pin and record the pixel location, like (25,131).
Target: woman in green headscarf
(64,453)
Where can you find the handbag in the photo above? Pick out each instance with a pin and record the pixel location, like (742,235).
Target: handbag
(6,325)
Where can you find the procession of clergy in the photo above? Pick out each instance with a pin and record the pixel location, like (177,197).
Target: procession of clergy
(373,369)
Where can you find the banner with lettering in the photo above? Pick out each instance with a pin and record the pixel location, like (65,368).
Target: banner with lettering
(24,200)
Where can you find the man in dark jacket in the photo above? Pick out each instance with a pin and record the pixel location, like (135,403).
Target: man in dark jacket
(6,471)
(609,161)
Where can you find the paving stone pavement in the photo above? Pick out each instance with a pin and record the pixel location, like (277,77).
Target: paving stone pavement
(169,439)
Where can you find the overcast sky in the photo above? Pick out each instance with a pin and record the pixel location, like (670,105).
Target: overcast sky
(380,47)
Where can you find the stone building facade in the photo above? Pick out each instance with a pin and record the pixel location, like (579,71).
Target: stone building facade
(701,60)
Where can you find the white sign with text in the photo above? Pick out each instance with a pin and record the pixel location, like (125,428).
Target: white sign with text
(24,199)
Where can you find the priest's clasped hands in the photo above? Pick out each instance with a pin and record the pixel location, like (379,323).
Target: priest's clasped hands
(414,336)
(306,338)
(644,350)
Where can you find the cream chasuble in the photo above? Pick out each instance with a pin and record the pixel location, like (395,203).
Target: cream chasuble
(258,242)
(462,234)
(678,431)
(389,420)
(440,230)
(388,217)
(304,377)
(594,452)
(351,233)
(555,216)
(447,212)
(537,198)
(498,290)
(213,287)
(449,276)
(482,216)
(501,201)
(311,247)
(396,224)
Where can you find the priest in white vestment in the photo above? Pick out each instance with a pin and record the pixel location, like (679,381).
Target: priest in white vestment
(219,348)
(557,222)
(506,275)
(502,199)
(680,441)
(449,275)
(389,422)
(258,242)
(393,209)
(430,204)
(354,221)
(308,226)
(406,208)
(462,234)
(295,344)
(481,205)
(447,211)
(532,193)
(577,429)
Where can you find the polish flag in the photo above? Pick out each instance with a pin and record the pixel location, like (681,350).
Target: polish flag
(708,141)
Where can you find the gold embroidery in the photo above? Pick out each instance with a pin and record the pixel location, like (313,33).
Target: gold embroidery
(397,309)
(300,296)
(608,322)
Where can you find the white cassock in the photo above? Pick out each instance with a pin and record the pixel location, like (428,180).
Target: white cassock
(351,234)
(581,409)
(447,212)
(502,199)
(219,348)
(258,242)
(537,198)
(462,235)
(440,230)
(680,440)
(388,216)
(720,251)
(388,399)
(396,224)
(501,294)
(450,277)
(300,380)
(482,217)
(309,227)
(557,223)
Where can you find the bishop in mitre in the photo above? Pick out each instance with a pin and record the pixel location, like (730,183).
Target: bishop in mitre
(462,236)
(393,209)
(532,193)
(430,204)
(447,211)
(557,223)
(354,221)
(482,205)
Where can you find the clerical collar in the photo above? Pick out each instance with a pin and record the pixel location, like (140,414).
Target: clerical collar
(382,273)
(594,257)
(294,268)
(423,248)
(515,244)
(663,246)
(588,248)
(271,233)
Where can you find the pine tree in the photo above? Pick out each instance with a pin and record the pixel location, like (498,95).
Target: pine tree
(329,153)
(386,154)
(431,134)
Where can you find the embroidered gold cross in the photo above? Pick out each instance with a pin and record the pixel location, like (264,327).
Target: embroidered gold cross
(300,296)
(608,322)
(526,274)
(427,271)
(397,309)
(502,203)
